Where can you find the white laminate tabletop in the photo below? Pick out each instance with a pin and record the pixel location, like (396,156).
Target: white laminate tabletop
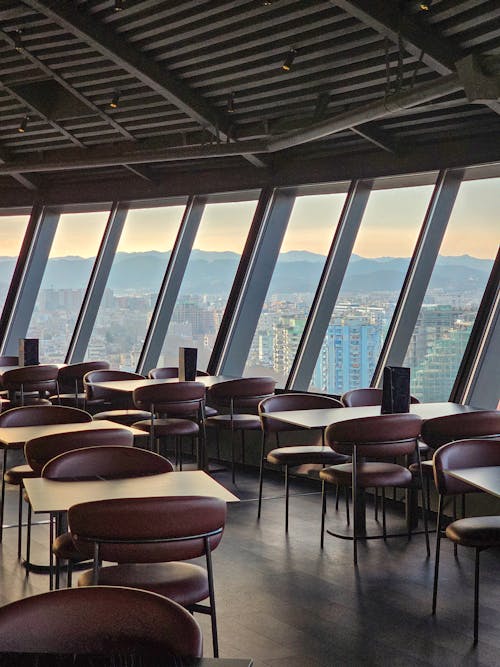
(486,478)
(46,495)
(128,386)
(17,436)
(323,417)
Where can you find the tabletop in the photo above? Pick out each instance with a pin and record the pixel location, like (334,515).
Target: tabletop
(17,436)
(486,478)
(323,417)
(46,495)
(64,660)
(128,386)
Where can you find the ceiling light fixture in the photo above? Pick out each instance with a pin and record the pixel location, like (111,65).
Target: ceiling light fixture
(119,5)
(115,100)
(23,125)
(425,6)
(230,103)
(288,62)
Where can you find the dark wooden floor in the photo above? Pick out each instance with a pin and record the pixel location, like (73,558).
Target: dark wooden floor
(282,601)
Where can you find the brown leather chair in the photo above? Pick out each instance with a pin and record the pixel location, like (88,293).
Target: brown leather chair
(122,409)
(314,452)
(377,437)
(70,390)
(235,396)
(101,620)
(174,410)
(31,385)
(6,360)
(478,532)
(39,451)
(32,415)
(148,537)
(356,398)
(104,462)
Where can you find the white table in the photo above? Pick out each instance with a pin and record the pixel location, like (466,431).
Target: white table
(486,478)
(46,495)
(128,386)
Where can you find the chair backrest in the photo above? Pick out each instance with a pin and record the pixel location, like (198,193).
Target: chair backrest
(34,415)
(148,530)
(8,360)
(70,378)
(99,620)
(105,462)
(244,393)
(295,401)
(31,378)
(475,453)
(357,398)
(381,436)
(177,398)
(440,430)
(39,451)
(167,372)
(105,375)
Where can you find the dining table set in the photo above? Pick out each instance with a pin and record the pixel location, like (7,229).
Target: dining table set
(57,496)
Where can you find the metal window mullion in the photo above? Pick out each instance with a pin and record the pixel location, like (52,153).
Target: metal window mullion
(329,286)
(419,272)
(270,222)
(170,287)
(30,277)
(477,378)
(97,283)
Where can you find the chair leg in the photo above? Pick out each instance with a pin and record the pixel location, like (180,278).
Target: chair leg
(376,504)
(323,512)
(348,517)
(3,492)
(354,503)
(287,497)
(337,497)
(261,472)
(28,541)
(436,560)
(233,476)
(20,521)
(384,525)
(243,446)
(211,596)
(476,596)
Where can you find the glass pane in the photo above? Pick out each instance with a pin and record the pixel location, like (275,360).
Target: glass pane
(12,231)
(134,282)
(455,290)
(370,289)
(64,282)
(207,281)
(295,279)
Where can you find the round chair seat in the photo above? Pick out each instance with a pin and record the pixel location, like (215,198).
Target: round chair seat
(124,417)
(185,583)
(426,468)
(296,455)
(477,531)
(247,422)
(16,474)
(168,426)
(210,412)
(31,400)
(64,548)
(370,474)
(68,399)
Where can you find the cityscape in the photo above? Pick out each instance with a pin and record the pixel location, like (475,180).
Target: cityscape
(352,342)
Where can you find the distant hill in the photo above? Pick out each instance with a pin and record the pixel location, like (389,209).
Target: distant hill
(296,271)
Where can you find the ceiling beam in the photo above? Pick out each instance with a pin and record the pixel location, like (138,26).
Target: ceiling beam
(137,64)
(424,42)
(376,136)
(126,154)
(20,178)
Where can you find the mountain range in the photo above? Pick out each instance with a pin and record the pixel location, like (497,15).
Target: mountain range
(296,271)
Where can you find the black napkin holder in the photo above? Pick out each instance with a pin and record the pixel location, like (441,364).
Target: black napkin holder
(396,390)
(28,352)
(188,359)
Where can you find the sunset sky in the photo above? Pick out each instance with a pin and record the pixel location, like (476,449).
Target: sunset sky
(390,226)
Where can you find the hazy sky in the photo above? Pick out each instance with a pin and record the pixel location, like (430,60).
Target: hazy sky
(389,228)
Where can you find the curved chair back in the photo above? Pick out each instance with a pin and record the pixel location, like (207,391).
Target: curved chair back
(148,530)
(462,454)
(378,437)
(105,462)
(167,372)
(99,620)
(296,401)
(93,393)
(70,378)
(357,398)
(244,393)
(440,430)
(39,451)
(176,398)
(35,415)
(41,378)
